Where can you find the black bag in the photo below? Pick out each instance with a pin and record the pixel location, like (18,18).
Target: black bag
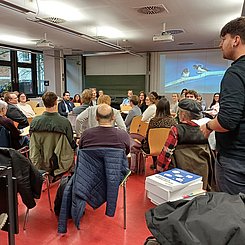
(59,194)
(216,218)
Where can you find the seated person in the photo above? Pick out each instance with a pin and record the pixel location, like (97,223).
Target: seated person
(135,111)
(24,107)
(150,112)
(13,112)
(16,141)
(126,101)
(51,121)
(86,99)
(87,119)
(186,147)
(162,119)
(105,135)
(65,106)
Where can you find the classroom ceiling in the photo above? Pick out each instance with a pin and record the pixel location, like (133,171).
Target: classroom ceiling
(115,25)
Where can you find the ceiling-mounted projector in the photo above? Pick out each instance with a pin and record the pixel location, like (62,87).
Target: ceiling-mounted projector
(45,45)
(164,37)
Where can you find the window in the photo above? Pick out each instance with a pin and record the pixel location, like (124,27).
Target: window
(5,78)
(25,80)
(23,57)
(4,54)
(40,74)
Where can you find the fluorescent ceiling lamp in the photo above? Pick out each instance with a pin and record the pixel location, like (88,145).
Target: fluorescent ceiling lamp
(15,39)
(107,31)
(60,10)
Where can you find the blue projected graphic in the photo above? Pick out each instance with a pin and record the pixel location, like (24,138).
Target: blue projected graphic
(198,70)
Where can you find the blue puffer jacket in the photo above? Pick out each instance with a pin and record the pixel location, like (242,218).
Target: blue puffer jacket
(98,174)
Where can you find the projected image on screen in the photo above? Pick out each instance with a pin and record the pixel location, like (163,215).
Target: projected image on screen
(198,70)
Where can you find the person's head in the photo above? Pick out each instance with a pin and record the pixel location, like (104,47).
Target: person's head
(233,39)
(66,96)
(175,97)
(191,94)
(183,91)
(150,99)
(163,108)
(49,99)
(77,98)
(11,98)
(104,99)
(215,99)
(142,97)
(94,93)
(86,96)
(104,115)
(130,93)
(101,92)
(3,108)
(155,95)
(134,100)
(199,97)
(22,98)
(189,109)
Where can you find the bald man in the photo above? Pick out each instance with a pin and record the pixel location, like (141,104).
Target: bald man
(105,135)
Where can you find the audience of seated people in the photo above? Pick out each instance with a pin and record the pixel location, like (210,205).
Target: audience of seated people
(142,105)
(186,147)
(86,101)
(66,105)
(135,111)
(162,119)
(105,135)
(16,141)
(24,107)
(87,119)
(150,112)
(13,112)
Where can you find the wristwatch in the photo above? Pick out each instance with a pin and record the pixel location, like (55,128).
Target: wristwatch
(207,127)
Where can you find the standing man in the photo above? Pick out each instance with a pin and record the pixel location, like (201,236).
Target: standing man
(229,124)
(65,106)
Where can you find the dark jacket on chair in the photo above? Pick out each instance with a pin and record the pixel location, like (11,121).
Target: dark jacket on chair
(29,180)
(96,180)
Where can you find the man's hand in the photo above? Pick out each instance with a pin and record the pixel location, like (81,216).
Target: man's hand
(206,132)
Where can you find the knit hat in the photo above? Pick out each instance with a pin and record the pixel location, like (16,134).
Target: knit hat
(190,105)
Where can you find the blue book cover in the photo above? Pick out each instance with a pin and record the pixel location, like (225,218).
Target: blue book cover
(174,179)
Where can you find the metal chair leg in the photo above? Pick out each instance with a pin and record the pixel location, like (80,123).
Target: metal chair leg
(26,218)
(48,189)
(124,206)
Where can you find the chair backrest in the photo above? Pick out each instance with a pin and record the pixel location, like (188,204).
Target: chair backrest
(143,128)
(39,110)
(125,108)
(32,103)
(134,126)
(157,138)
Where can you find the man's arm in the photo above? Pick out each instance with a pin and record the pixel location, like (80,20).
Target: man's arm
(119,120)
(164,159)
(81,118)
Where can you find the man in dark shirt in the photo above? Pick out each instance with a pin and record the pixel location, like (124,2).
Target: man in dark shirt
(13,112)
(65,106)
(229,124)
(105,135)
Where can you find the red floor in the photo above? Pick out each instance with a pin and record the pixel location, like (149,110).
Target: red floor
(95,227)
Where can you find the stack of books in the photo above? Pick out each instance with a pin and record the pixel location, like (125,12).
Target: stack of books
(173,185)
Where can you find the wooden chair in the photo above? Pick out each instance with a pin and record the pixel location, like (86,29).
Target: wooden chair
(134,126)
(156,139)
(32,103)
(125,108)
(143,128)
(39,110)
